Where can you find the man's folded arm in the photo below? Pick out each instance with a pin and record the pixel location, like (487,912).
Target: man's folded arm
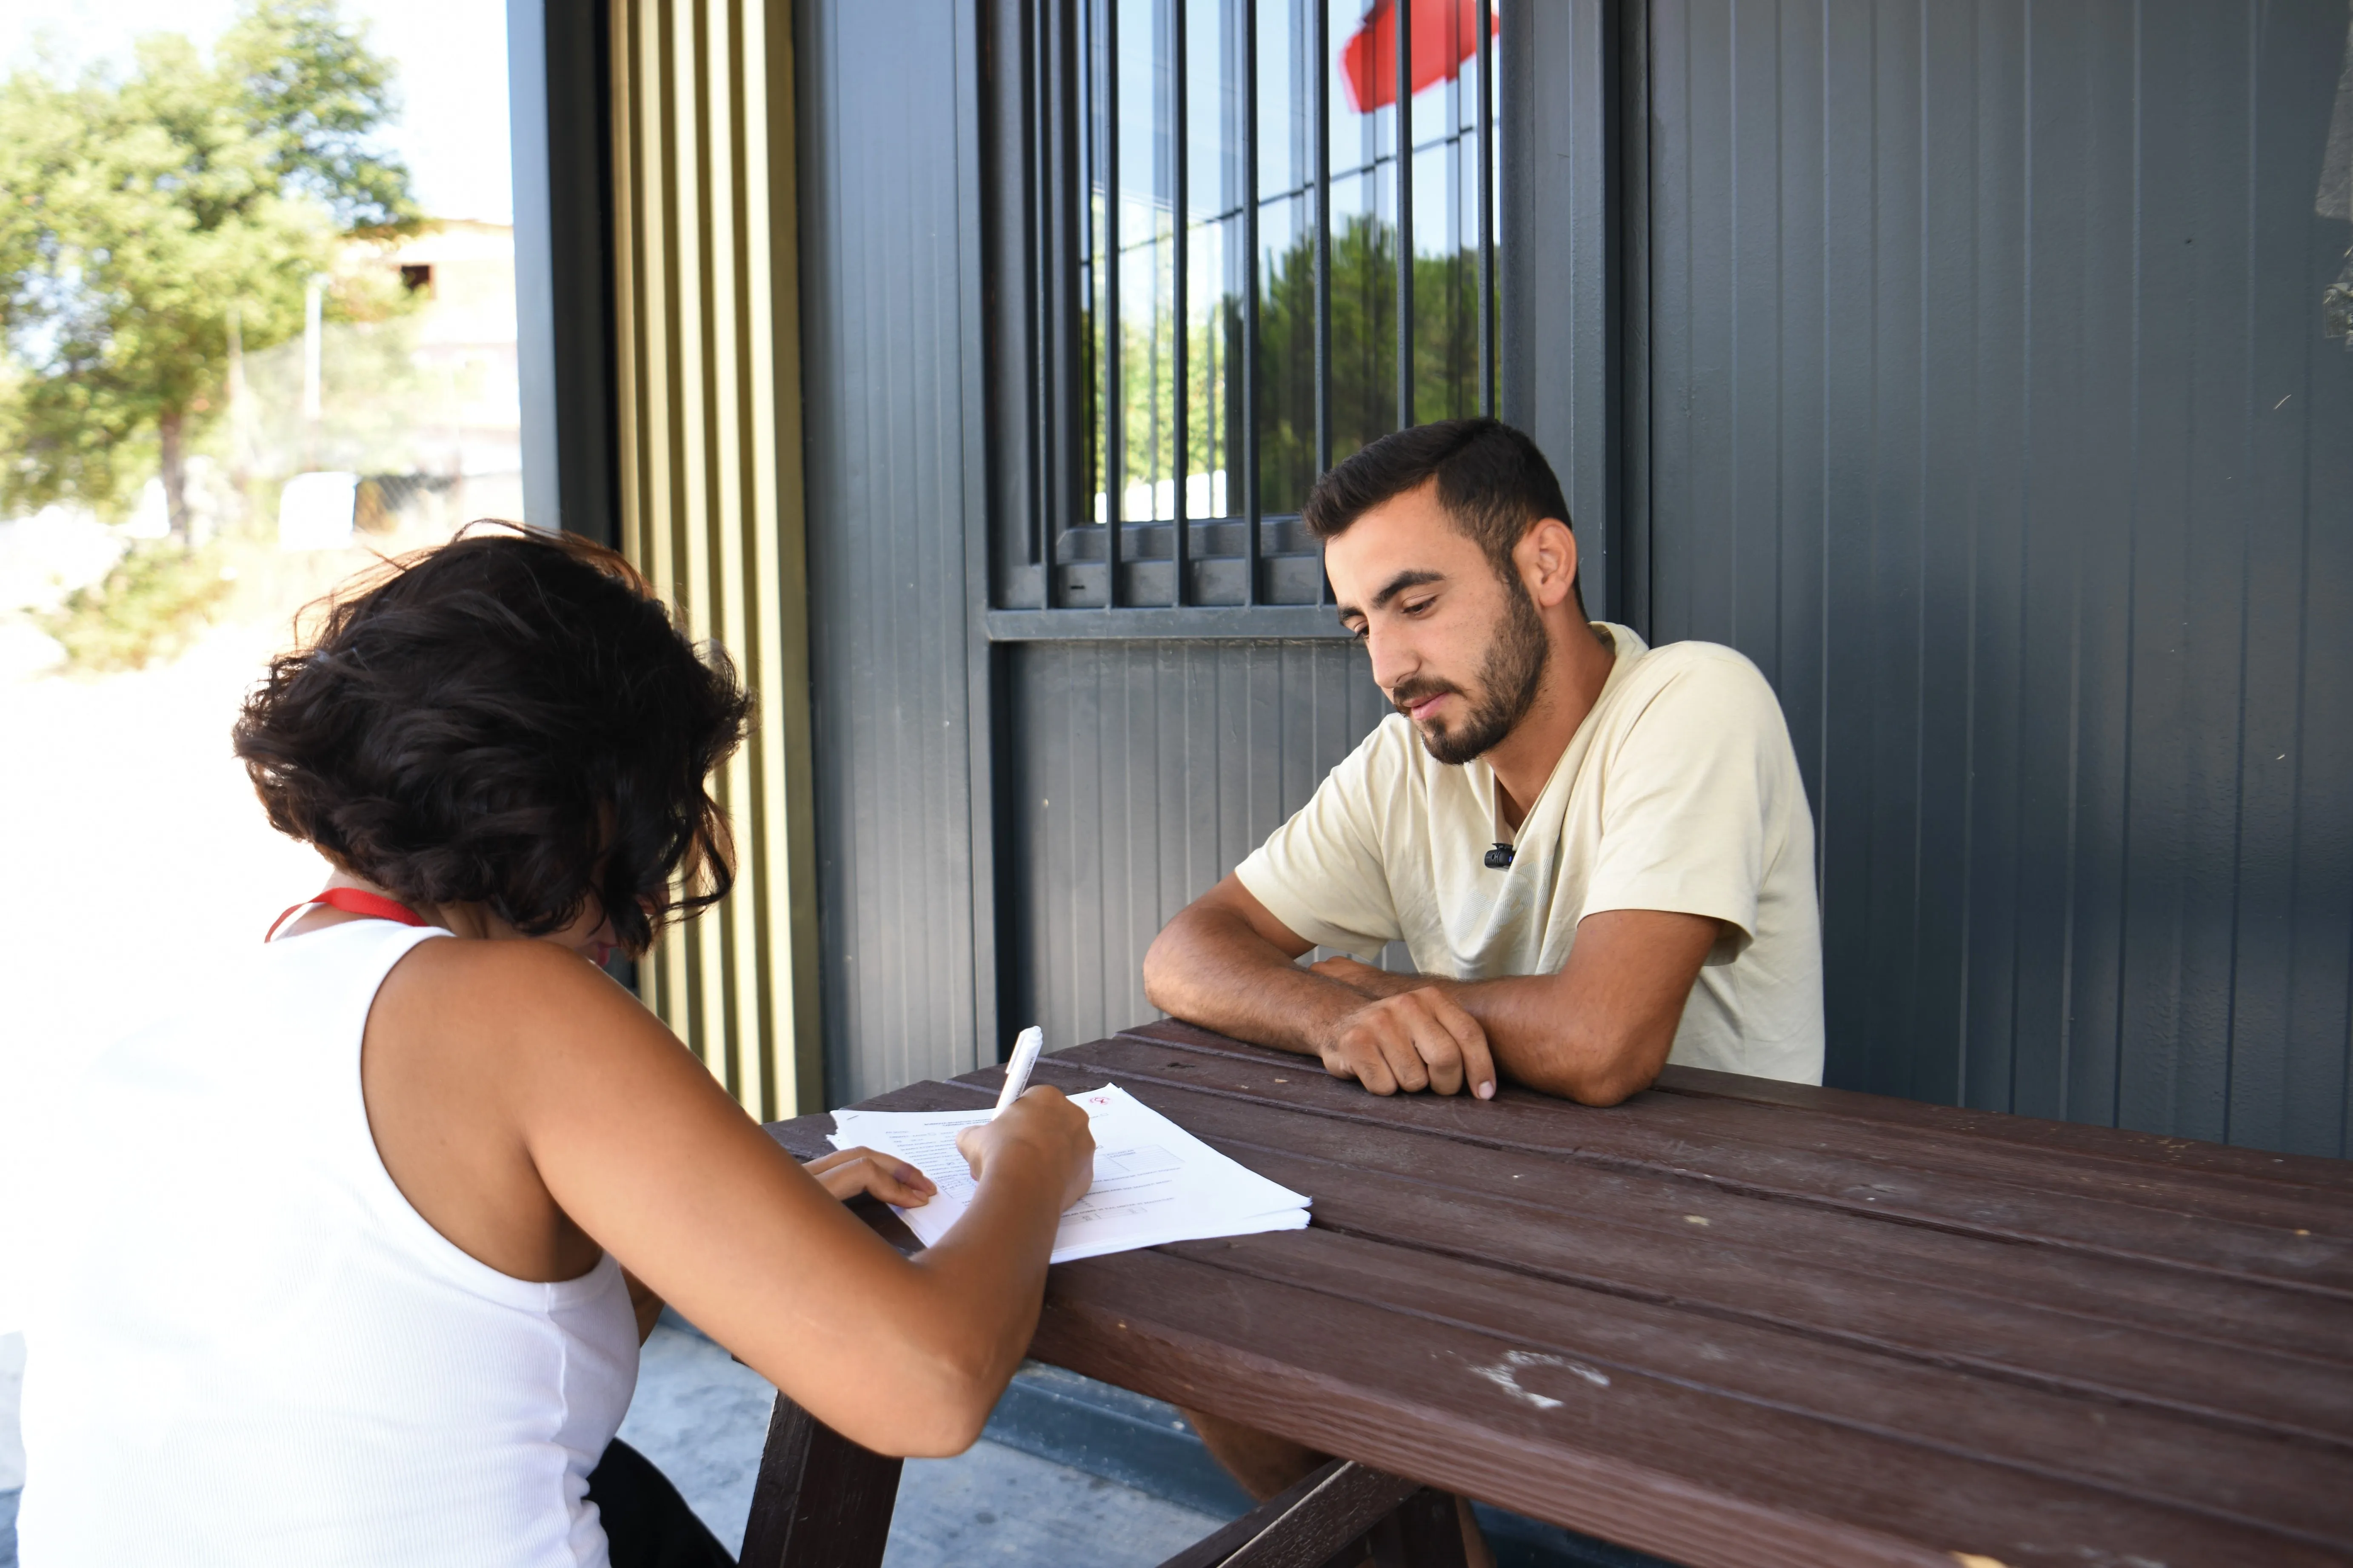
(1597,1031)
(1227,963)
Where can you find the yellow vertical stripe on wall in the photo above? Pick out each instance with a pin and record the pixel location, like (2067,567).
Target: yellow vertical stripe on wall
(709,339)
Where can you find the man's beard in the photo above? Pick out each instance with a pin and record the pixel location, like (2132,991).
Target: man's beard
(1508,680)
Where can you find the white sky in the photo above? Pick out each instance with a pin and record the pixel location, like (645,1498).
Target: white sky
(452,56)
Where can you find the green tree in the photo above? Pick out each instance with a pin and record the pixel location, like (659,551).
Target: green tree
(1364,404)
(1363,350)
(141,217)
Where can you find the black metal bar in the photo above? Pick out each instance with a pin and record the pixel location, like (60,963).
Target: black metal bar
(1630,212)
(1271,623)
(1067,47)
(1322,54)
(1046,267)
(1115,405)
(1251,517)
(1402,16)
(1486,210)
(1074,237)
(1180,206)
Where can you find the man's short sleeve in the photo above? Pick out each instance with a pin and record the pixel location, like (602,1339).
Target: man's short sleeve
(1698,791)
(1321,873)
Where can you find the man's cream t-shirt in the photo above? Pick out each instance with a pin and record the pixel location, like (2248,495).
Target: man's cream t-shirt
(1678,792)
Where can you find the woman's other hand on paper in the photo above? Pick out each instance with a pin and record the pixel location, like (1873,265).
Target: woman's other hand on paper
(1044,1121)
(846,1173)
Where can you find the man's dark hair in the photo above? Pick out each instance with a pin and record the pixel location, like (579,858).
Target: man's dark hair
(512,719)
(1492,481)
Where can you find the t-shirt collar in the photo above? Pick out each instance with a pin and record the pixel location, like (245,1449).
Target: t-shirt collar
(1628,645)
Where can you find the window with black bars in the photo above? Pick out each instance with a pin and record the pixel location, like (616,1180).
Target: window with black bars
(1238,279)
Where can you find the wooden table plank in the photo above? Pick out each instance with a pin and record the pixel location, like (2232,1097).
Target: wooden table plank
(2157,1457)
(1694,1476)
(1847,1105)
(1508,1299)
(2187,1155)
(2195,1303)
(1474,1221)
(1938,1153)
(1976,1206)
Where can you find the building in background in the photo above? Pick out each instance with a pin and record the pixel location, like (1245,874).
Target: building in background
(1979,372)
(469,408)
(465,401)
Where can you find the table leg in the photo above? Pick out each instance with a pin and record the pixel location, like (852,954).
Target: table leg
(821,1501)
(1425,1532)
(1319,1522)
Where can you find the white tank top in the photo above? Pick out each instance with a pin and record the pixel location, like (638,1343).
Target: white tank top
(245,1347)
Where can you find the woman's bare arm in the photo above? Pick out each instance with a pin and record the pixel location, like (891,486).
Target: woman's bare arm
(544,1065)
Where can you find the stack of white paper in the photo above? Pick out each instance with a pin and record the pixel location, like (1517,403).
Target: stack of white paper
(1155,1182)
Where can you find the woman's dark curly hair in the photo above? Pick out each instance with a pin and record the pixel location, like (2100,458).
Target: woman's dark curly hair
(511,718)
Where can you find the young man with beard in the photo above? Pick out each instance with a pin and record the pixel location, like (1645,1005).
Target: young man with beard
(1596,853)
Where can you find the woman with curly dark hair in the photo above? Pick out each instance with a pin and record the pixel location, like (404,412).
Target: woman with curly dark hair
(350,1261)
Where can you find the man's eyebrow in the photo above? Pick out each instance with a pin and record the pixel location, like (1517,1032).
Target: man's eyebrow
(1401,582)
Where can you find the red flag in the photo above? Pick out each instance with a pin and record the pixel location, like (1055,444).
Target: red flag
(1445,34)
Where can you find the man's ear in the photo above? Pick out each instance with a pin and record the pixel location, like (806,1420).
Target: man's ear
(1547,557)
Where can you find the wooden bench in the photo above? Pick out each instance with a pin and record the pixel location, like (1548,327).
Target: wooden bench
(1734,1322)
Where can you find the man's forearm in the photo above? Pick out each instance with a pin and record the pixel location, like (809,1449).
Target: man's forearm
(1209,968)
(1599,1030)
(1534,1041)
(1538,1044)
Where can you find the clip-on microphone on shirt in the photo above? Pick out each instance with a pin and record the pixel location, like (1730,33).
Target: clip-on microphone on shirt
(1498,859)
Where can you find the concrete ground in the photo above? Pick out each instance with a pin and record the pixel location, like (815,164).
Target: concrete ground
(702,1418)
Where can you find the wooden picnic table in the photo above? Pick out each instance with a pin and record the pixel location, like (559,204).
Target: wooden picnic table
(1734,1322)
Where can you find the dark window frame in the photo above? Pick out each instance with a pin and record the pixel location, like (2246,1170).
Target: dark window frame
(1053,573)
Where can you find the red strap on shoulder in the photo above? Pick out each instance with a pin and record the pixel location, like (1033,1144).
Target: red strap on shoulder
(353,901)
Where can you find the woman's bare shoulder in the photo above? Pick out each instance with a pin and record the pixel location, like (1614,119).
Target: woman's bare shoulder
(518,993)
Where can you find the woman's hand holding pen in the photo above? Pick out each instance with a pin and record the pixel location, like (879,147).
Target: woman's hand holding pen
(1042,1123)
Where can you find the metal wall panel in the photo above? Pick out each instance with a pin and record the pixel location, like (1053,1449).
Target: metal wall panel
(559,90)
(1991,416)
(1139,774)
(1559,309)
(708,370)
(890,260)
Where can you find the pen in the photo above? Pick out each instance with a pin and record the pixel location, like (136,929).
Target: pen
(1026,1048)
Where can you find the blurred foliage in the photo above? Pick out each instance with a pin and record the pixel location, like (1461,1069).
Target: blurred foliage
(157,600)
(142,212)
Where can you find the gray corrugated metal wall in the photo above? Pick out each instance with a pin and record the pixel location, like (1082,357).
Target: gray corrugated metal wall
(1973,388)
(1560,309)
(1992,417)
(1140,774)
(890,239)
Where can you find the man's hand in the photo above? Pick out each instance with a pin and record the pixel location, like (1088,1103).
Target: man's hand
(1417,1039)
